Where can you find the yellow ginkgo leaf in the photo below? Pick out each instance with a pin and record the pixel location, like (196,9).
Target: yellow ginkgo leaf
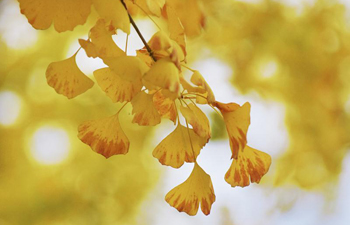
(101,44)
(176,30)
(117,88)
(250,166)
(145,57)
(178,147)
(67,79)
(189,88)
(197,189)
(150,7)
(160,41)
(237,120)
(199,80)
(104,136)
(164,74)
(129,68)
(197,119)
(65,14)
(146,114)
(192,22)
(165,106)
(113,12)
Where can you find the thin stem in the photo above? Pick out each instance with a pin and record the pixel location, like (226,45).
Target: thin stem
(126,44)
(150,52)
(122,107)
(189,135)
(190,98)
(76,53)
(188,68)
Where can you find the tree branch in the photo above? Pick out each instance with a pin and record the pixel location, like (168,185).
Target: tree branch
(150,52)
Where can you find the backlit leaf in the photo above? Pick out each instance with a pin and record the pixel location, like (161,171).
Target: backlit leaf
(164,74)
(176,30)
(197,119)
(146,114)
(165,106)
(117,88)
(197,189)
(237,120)
(152,7)
(190,14)
(199,80)
(176,148)
(114,12)
(65,14)
(101,44)
(250,166)
(67,79)
(160,41)
(104,136)
(129,68)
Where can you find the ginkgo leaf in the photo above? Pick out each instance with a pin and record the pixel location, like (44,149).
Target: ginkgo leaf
(237,120)
(104,136)
(145,57)
(181,145)
(129,68)
(146,114)
(199,80)
(192,22)
(117,88)
(67,79)
(189,88)
(165,106)
(250,166)
(197,189)
(101,44)
(153,7)
(114,12)
(65,14)
(160,41)
(197,119)
(176,30)
(164,74)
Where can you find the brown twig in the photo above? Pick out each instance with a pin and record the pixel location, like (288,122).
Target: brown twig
(150,52)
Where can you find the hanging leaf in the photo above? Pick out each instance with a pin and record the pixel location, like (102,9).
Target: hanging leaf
(181,145)
(146,114)
(129,68)
(113,12)
(250,166)
(199,80)
(237,120)
(117,88)
(67,79)
(176,30)
(164,74)
(197,119)
(104,136)
(64,14)
(101,44)
(165,106)
(197,189)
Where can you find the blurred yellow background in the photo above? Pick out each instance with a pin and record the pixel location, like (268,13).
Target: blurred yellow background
(289,59)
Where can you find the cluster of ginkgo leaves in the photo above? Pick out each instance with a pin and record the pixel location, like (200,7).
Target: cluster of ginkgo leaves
(153,83)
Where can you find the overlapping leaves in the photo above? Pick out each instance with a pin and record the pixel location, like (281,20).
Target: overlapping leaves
(152,82)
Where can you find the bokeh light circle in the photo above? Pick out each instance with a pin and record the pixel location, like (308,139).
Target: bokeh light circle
(50,145)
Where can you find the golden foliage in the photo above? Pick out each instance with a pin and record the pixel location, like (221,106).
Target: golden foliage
(67,79)
(154,85)
(104,136)
(197,189)
(64,14)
